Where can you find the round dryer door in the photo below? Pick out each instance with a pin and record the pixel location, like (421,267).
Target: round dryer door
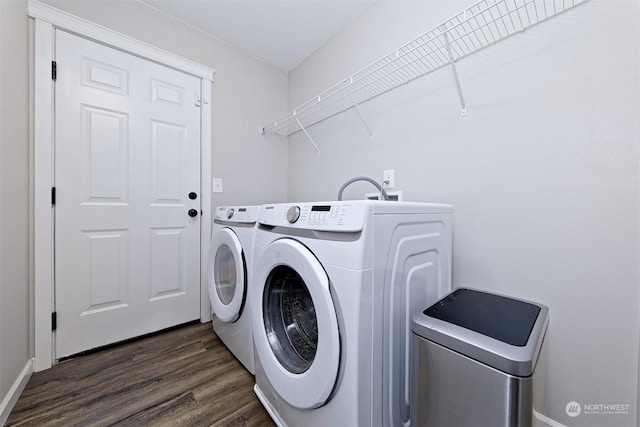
(227,274)
(295,326)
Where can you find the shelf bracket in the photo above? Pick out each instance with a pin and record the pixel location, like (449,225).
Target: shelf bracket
(306,133)
(355,104)
(455,72)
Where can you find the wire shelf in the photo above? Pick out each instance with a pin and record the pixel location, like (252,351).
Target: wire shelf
(477,27)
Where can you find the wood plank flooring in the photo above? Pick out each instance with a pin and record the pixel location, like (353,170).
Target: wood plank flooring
(182,377)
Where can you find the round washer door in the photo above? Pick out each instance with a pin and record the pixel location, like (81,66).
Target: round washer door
(295,326)
(226,276)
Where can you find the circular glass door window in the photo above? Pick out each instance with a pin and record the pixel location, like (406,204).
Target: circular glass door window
(225,274)
(290,319)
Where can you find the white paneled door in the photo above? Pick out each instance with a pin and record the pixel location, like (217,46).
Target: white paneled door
(127,211)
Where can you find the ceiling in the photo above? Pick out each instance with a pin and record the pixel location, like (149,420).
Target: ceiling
(280,32)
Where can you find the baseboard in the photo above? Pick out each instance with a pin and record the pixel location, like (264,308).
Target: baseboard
(14,392)
(540,420)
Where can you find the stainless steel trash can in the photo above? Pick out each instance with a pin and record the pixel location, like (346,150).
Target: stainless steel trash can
(473,359)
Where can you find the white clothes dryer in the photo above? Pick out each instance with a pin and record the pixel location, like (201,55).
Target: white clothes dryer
(229,274)
(335,285)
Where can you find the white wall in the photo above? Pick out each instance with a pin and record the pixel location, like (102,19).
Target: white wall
(542,173)
(245,94)
(15,324)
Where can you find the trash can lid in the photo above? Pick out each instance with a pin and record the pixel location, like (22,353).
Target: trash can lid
(499,331)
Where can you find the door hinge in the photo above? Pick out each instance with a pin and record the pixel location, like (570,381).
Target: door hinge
(53,196)
(54,321)
(54,70)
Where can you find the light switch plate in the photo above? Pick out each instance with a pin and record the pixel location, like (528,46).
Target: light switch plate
(216,185)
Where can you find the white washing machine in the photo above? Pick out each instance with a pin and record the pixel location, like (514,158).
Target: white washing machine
(229,279)
(335,285)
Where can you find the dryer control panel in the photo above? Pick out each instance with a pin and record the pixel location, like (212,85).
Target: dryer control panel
(237,214)
(320,216)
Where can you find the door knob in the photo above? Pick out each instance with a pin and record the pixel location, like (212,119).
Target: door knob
(193,212)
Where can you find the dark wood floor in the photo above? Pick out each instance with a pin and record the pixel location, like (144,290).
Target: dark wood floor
(183,377)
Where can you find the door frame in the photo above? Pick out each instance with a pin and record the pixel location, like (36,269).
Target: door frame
(46,20)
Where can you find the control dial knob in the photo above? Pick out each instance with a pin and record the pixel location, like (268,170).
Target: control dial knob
(293,214)
(230,213)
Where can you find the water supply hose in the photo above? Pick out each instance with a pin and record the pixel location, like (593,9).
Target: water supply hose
(385,196)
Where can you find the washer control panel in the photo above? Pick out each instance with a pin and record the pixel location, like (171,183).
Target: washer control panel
(329,216)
